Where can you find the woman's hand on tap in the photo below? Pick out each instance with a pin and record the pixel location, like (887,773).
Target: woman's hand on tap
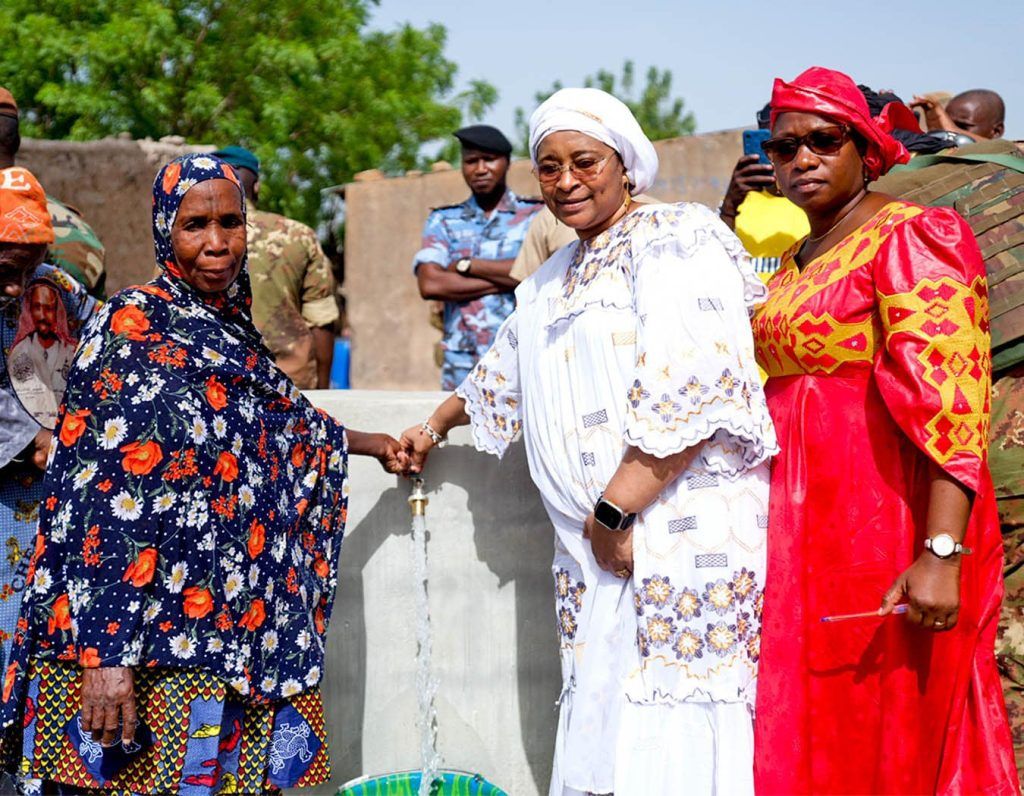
(416,445)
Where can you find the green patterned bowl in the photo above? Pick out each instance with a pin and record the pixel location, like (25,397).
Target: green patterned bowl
(407,783)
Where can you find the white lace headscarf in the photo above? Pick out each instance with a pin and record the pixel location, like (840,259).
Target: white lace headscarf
(600,115)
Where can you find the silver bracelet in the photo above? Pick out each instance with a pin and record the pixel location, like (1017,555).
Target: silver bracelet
(437,439)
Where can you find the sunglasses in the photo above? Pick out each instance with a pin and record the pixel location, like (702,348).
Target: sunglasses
(583,169)
(823,141)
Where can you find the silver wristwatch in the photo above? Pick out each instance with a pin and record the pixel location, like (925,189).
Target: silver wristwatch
(943,545)
(462,266)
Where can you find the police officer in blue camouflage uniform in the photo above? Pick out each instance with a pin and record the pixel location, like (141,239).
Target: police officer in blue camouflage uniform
(468,250)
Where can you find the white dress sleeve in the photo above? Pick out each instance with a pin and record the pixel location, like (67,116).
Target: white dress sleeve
(492,395)
(696,378)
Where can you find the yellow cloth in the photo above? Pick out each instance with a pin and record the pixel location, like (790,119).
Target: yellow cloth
(768,225)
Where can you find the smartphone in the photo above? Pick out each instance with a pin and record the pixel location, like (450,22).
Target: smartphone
(752,140)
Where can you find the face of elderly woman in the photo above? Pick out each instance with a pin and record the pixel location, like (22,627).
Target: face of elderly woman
(818,182)
(208,235)
(589,200)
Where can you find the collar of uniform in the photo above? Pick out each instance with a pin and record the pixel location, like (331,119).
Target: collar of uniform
(509,203)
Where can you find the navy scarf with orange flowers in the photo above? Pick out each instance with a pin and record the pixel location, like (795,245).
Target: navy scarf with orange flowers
(196,501)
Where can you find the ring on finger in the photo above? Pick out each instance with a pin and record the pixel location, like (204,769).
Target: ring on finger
(939,623)
(622,573)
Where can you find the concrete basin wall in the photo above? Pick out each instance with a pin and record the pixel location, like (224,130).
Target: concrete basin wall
(490,590)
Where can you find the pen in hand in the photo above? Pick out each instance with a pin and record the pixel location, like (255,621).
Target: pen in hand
(899,609)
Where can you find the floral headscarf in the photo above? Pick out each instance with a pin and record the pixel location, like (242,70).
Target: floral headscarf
(195,499)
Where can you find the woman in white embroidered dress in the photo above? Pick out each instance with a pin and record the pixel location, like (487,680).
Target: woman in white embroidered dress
(628,365)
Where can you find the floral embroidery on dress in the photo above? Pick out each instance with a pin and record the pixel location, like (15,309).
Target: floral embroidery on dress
(721,638)
(688,645)
(642,337)
(656,591)
(491,393)
(569,599)
(730,610)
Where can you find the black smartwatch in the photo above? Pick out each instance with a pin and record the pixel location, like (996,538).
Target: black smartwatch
(611,516)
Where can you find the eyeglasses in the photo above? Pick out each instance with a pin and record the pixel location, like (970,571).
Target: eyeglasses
(586,168)
(823,141)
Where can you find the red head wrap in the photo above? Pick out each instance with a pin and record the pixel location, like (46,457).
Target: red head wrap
(832,94)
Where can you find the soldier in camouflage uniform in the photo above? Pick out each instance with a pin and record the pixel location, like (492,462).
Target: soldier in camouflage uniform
(76,249)
(985,183)
(293,303)
(468,250)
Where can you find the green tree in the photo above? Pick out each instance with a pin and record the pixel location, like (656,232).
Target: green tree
(659,114)
(303,83)
(474,102)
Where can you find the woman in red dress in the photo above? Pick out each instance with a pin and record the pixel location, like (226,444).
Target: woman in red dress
(875,338)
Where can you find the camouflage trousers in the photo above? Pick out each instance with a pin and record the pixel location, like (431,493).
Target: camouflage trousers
(1006,458)
(1010,640)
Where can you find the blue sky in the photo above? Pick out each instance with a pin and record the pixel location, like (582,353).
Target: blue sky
(724,55)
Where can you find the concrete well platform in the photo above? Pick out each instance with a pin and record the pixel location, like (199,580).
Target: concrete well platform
(489,581)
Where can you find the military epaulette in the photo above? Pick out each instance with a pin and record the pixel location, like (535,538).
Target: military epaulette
(455,206)
(530,200)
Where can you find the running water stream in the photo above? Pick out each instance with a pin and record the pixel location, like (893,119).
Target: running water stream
(426,683)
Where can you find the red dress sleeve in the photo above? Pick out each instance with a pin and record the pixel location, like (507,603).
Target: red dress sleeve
(935,371)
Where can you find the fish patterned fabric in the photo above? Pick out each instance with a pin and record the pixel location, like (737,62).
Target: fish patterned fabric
(205,739)
(196,500)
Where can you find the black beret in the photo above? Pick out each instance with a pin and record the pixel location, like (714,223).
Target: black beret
(485,138)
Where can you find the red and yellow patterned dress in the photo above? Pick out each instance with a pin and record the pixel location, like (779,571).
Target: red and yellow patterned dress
(879,362)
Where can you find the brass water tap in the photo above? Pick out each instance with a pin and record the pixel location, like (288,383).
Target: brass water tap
(418,499)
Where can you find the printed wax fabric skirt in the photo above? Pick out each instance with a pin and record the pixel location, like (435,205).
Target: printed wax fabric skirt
(21,490)
(206,739)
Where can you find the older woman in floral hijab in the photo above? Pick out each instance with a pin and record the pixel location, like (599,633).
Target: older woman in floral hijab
(186,561)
